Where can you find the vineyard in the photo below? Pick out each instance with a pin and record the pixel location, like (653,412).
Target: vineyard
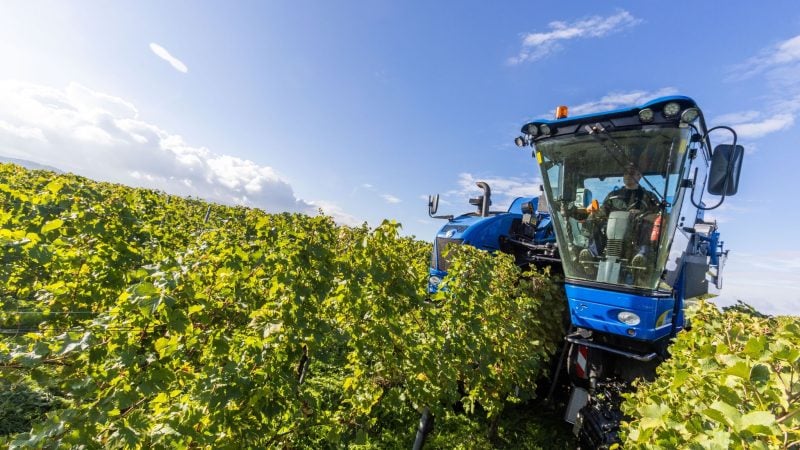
(134,319)
(156,321)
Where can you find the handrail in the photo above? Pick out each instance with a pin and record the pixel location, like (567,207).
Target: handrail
(636,356)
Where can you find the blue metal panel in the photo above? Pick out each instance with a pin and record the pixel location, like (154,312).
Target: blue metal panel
(713,247)
(485,235)
(544,230)
(460,224)
(597,309)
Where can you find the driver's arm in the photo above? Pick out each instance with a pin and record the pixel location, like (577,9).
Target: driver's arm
(651,201)
(593,207)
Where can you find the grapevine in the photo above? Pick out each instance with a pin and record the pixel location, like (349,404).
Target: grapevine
(733,381)
(154,321)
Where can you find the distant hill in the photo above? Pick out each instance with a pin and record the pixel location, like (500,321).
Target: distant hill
(28,164)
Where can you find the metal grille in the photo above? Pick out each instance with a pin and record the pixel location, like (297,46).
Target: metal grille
(458,228)
(614,248)
(441,246)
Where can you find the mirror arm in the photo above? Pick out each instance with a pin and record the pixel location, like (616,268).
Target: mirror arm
(727,178)
(694,186)
(433,206)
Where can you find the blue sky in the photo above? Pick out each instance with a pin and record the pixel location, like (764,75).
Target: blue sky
(362,108)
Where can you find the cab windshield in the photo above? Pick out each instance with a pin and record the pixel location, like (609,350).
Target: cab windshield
(612,195)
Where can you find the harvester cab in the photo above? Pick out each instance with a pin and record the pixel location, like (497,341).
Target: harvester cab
(626,193)
(626,189)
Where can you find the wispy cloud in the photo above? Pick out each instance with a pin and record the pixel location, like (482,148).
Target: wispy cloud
(337,212)
(372,190)
(728,211)
(781,54)
(442,201)
(737,117)
(778,65)
(360,187)
(753,124)
(504,190)
(162,53)
(622,99)
(22,132)
(391,199)
(539,45)
(97,135)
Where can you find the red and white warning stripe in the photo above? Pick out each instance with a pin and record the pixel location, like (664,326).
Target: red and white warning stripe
(580,361)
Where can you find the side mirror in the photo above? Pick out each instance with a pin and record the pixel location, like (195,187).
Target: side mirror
(726,164)
(433,204)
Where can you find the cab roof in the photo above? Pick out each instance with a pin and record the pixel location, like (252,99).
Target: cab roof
(618,118)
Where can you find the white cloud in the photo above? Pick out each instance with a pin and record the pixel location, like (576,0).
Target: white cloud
(781,54)
(539,45)
(617,100)
(780,65)
(162,53)
(753,124)
(362,186)
(503,191)
(335,211)
(737,117)
(787,51)
(100,136)
(727,210)
(769,125)
(391,199)
(22,132)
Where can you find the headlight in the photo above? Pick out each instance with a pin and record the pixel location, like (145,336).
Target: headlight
(671,109)
(531,129)
(628,318)
(544,129)
(434,280)
(689,115)
(646,115)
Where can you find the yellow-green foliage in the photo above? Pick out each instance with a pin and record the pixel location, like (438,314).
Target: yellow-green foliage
(157,328)
(733,381)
